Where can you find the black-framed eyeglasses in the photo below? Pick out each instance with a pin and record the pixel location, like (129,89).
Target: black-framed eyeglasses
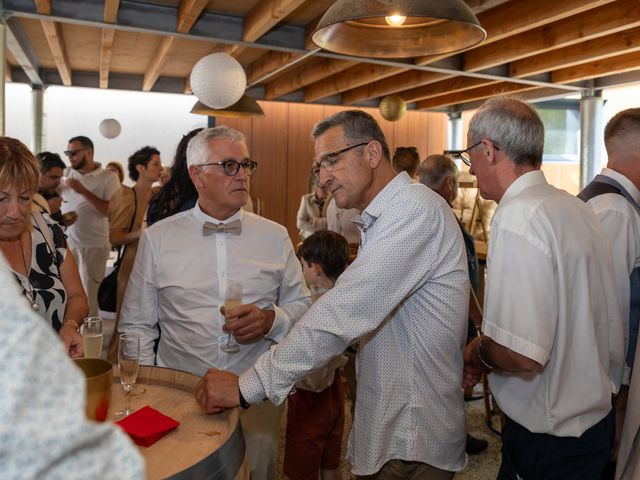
(464,154)
(232,167)
(328,161)
(73,153)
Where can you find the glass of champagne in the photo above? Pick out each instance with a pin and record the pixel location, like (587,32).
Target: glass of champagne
(232,299)
(128,362)
(92,337)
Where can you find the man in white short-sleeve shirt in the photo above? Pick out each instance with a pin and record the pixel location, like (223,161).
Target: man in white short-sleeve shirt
(88,189)
(404,299)
(552,327)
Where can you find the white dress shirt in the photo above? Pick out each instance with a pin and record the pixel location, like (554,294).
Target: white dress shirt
(341,220)
(621,225)
(550,296)
(44,433)
(405,299)
(178,285)
(92,228)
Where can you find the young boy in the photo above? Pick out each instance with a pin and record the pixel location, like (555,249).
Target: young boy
(315,412)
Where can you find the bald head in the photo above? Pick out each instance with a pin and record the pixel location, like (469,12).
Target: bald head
(440,174)
(622,137)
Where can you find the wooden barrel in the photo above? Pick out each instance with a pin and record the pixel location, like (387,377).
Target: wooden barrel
(203,446)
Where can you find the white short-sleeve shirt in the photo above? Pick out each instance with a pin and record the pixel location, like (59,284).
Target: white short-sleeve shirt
(550,296)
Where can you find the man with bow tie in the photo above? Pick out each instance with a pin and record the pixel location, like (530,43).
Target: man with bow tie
(186,262)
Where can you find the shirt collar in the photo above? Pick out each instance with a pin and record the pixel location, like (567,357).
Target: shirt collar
(523,182)
(202,217)
(382,199)
(624,181)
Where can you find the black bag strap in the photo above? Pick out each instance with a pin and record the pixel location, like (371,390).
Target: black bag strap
(133,219)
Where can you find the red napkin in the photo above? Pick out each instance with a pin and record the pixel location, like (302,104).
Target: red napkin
(147,425)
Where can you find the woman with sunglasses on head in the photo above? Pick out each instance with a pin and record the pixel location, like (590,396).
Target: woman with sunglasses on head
(126,221)
(36,248)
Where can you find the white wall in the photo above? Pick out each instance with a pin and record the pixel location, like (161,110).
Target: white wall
(147,118)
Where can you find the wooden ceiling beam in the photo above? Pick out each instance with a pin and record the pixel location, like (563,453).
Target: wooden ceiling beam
(589,51)
(390,85)
(55,39)
(452,85)
(481,93)
(353,77)
(605,20)
(43,6)
(303,75)
(188,13)
(267,63)
(157,63)
(601,68)
(264,15)
(108,36)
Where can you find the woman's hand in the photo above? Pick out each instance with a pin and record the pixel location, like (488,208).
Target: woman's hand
(72,340)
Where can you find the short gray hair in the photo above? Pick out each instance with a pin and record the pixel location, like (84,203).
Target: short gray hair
(357,126)
(198,146)
(435,170)
(514,126)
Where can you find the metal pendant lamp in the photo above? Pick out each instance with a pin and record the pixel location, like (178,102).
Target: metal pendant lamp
(398,28)
(243,108)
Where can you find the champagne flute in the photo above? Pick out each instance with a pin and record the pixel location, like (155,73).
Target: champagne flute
(128,362)
(92,337)
(232,299)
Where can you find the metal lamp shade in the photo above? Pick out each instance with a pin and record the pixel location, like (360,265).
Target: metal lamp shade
(431,27)
(218,80)
(393,108)
(245,107)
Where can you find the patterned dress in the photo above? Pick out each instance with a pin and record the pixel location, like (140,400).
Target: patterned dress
(44,274)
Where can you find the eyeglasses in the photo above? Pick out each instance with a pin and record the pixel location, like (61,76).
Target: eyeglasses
(73,153)
(464,154)
(231,167)
(328,161)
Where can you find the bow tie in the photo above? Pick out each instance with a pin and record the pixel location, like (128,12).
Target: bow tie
(234,227)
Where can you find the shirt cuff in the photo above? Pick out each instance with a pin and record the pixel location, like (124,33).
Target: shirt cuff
(280,326)
(251,386)
(515,343)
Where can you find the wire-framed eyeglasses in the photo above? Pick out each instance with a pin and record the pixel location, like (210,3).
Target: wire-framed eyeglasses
(464,154)
(328,161)
(232,167)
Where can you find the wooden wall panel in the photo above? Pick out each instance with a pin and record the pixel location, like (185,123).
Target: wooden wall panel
(411,131)
(269,148)
(436,132)
(302,118)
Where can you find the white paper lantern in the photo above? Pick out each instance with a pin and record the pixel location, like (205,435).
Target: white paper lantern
(218,80)
(110,128)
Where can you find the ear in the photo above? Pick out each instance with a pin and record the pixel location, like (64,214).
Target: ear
(374,153)
(194,175)
(140,168)
(317,269)
(489,150)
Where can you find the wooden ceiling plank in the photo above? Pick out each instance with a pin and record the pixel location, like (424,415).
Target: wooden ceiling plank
(106,49)
(481,93)
(605,20)
(111,8)
(160,58)
(353,77)
(267,63)
(452,85)
(7,71)
(43,7)
(391,85)
(518,16)
(264,15)
(303,75)
(589,51)
(55,39)
(608,66)
(188,13)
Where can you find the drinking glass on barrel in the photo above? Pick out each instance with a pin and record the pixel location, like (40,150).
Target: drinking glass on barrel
(128,363)
(92,337)
(232,299)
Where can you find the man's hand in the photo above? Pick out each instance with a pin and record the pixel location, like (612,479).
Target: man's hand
(76,185)
(218,390)
(54,204)
(69,218)
(248,323)
(472,373)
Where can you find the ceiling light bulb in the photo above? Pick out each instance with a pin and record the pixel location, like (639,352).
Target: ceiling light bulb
(395,20)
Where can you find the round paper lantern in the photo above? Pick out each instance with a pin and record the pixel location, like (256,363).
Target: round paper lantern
(393,108)
(110,128)
(218,80)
